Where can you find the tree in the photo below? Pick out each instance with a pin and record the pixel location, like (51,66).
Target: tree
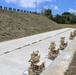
(66,13)
(58,18)
(48,13)
(73,20)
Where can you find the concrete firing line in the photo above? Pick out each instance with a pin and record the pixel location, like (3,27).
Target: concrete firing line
(33,43)
(25,41)
(15,63)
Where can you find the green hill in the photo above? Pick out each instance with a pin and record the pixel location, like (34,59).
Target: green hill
(16,24)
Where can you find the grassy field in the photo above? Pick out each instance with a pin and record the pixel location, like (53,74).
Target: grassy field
(67,25)
(72,67)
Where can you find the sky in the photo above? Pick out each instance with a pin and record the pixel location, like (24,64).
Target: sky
(57,6)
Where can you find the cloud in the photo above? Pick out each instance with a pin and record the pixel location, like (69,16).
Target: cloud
(10,1)
(72,10)
(23,3)
(46,7)
(27,3)
(55,7)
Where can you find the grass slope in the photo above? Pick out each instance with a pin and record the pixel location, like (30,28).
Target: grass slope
(15,24)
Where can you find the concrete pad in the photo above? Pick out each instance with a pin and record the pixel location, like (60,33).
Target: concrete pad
(16,62)
(17,43)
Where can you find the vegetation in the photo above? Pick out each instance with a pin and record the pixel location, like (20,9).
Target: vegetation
(48,13)
(16,24)
(67,25)
(65,18)
(72,67)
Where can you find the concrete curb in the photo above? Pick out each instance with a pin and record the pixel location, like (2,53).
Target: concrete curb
(62,62)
